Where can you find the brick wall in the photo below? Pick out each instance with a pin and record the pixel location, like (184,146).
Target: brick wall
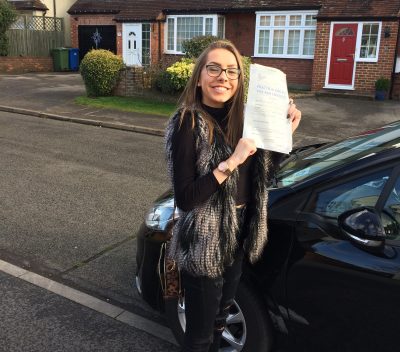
(25,64)
(156,42)
(169,59)
(241,28)
(320,55)
(131,81)
(298,71)
(366,72)
(91,20)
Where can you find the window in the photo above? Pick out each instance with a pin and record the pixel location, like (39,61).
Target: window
(146,44)
(289,34)
(180,28)
(391,213)
(363,191)
(221,27)
(369,41)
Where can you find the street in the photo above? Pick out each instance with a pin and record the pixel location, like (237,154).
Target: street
(72,197)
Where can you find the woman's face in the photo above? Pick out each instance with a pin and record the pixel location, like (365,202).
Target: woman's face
(218,90)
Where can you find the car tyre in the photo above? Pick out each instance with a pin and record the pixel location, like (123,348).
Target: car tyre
(254,331)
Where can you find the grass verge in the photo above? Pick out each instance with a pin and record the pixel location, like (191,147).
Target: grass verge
(132,104)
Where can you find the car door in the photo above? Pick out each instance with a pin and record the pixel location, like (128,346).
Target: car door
(341,296)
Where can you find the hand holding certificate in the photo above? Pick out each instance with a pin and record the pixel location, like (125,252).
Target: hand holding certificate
(265,116)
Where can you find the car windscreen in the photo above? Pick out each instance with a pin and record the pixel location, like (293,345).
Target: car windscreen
(299,167)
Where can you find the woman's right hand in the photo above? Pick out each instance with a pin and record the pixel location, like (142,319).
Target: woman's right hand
(243,150)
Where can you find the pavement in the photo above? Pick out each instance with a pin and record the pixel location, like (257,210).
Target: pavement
(51,95)
(41,315)
(70,320)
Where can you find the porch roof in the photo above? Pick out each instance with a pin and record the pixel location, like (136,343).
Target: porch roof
(96,7)
(359,9)
(34,5)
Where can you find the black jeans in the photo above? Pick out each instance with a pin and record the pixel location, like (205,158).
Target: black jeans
(207,303)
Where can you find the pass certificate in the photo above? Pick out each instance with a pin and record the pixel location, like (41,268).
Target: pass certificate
(265,115)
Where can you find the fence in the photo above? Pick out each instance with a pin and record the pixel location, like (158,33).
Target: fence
(35,35)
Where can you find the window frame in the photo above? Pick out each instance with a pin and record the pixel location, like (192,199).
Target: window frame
(286,28)
(143,40)
(359,38)
(215,18)
(385,196)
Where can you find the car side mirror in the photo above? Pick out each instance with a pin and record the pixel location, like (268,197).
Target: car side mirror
(363,226)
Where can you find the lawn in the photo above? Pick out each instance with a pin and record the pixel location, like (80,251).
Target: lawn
(134,104)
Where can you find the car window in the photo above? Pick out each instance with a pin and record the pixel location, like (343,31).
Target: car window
(301,166)
(391,213)
(363,191)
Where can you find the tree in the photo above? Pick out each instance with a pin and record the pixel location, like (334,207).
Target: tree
(8,15)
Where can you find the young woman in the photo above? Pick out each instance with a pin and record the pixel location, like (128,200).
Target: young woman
(219,182)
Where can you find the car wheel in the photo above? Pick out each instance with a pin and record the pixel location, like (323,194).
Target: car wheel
(249,327)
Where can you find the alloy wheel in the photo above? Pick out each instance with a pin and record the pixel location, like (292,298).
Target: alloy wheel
(234,335)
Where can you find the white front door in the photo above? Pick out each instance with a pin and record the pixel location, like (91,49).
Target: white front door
(132,44)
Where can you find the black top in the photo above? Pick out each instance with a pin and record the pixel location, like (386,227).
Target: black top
(191,190)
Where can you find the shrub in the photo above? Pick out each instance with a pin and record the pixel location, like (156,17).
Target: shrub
(163,82)
(7,17)
(382,84)
(180,73)
(100,71)
(175,77)
(246,67)
(195,46)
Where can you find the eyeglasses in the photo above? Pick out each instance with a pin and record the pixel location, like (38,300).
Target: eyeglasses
(215,71)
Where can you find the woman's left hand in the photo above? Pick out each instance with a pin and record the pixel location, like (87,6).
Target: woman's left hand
(294,115)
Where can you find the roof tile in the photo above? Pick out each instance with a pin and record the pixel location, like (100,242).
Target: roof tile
(149,10)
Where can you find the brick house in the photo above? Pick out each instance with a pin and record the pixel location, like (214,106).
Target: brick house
(343,47)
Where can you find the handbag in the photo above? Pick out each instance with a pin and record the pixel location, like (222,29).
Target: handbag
(168,272)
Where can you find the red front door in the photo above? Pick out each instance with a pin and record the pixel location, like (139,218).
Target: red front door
(342,53)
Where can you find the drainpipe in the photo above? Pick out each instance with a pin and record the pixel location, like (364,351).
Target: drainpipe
(395,62)
(159,42)
(54,9)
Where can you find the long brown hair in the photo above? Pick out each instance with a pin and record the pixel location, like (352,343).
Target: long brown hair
(190,100)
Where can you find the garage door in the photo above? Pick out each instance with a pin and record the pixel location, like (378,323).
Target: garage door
(96,37)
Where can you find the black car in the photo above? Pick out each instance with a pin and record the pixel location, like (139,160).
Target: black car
(329,278)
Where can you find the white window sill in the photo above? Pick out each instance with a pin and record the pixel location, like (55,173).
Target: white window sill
(338,86)
(283,57)
(367,60)
(173,52)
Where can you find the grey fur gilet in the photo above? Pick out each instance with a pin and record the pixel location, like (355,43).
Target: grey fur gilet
(204,239)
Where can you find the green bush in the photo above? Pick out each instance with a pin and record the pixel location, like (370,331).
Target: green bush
(7,17)
(175,77)
(163,82)
(100,71)
(382,84)
(195,46)
(246,67)
(180,73)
